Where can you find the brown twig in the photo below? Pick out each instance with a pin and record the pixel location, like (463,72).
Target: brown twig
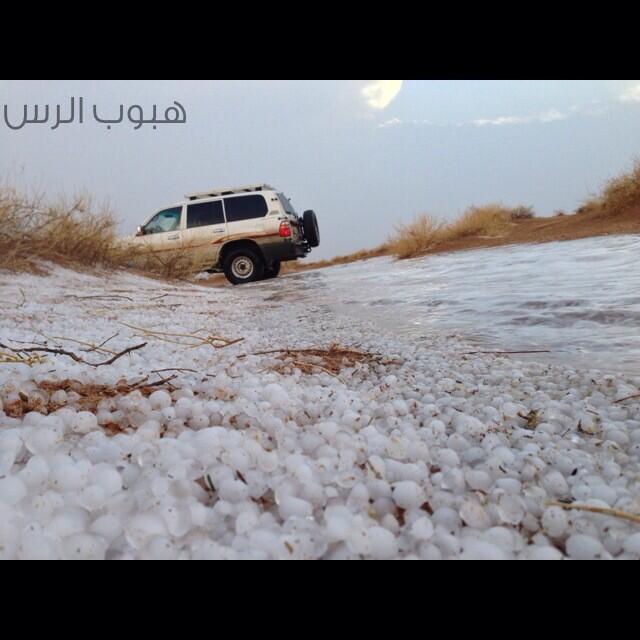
(115,335)
(93,347)
(175,369)
(501,353)
(605,511)
(228,342)
(159,382)
(316,352)
(73,356)
(633,397)
(102,297)
(200,341)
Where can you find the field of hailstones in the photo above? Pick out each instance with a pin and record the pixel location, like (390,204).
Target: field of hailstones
(141,419)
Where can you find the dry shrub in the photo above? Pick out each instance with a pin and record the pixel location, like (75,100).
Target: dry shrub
(487,220)
(522,213)
(618,194)
(559,213)
(171,265)
(623,192)
(590,205)
(64,231)
(74,233)
(425,232)
(415,237)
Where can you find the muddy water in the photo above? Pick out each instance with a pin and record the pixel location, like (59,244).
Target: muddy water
(578,299)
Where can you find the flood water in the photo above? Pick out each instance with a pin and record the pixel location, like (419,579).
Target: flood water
(578,299)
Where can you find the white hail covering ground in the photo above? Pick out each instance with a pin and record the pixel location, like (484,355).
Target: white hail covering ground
(426,458)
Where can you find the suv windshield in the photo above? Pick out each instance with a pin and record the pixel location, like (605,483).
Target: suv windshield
(288,207)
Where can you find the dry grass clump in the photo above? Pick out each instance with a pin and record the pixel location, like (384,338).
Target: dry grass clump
(623,192)
(85,397)
(618,194)
(487,220)
(414,237)
(329,360)
(64,231)
(21,358)
(522,213)
(174,265)
(425,232)
(75,233)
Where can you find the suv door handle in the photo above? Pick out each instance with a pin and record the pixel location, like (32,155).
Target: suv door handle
(218,231)
(176,237)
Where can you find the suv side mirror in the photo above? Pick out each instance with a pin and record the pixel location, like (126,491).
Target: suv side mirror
(140,231)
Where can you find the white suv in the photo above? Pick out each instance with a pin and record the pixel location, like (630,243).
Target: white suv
(244,231)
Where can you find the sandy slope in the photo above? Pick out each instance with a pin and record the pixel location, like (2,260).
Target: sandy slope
(570,227)
(536,230)
(418,453)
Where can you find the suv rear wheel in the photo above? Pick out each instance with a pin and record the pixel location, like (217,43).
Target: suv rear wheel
(272,271)
(243,265)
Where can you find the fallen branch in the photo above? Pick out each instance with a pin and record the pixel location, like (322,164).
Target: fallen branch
(115,335)
(200,341)
(158,383)
(73,356)
(633,397)
(502,353)
(605,511)
(311,351)
(102,297)
(174,369)
(93,347)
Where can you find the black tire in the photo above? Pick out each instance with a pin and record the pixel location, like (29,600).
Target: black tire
(243,261)
(311,229)
(273,271)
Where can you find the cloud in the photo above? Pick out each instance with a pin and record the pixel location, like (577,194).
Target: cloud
(632,94)
(378,94)
(391,123)
(552,115)
(396,121)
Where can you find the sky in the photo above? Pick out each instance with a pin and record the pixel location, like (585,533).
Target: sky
(364,154)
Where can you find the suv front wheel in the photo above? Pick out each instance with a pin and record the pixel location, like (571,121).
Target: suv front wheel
(243,265)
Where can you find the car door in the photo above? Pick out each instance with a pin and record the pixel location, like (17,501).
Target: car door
(162,235)
(205,231)
(246,216)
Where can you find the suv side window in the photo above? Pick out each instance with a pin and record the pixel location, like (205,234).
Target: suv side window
(204,214)
(245,207)
(167,220)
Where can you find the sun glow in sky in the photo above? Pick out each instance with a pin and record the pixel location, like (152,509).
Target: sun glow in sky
(379,93)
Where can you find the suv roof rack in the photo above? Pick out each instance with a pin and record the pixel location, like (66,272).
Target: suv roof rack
(226,191)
